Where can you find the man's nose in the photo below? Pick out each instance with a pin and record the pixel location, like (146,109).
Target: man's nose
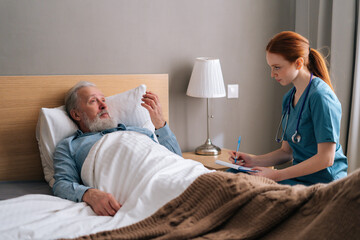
(103,105)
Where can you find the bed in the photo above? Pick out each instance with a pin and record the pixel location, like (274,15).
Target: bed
(166,197)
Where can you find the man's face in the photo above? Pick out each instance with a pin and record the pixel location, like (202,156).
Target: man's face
(92,102)
(92,112)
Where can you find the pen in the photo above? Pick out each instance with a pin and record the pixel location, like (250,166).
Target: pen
(237,149)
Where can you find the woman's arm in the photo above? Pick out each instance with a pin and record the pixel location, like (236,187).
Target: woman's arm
(279,156)
(323,159)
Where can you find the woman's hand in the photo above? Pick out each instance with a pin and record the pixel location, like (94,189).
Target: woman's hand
(266,172)
(152,103)
(242,159)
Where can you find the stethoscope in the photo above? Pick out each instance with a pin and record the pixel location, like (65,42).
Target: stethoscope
(296,138)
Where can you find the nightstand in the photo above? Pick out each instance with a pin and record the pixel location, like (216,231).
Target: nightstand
(209,161)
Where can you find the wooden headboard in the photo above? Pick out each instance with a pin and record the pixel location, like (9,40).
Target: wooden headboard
(23,96)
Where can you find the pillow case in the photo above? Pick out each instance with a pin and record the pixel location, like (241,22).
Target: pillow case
(54,124)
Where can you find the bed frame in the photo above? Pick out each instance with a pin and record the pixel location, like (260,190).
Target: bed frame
(23,96)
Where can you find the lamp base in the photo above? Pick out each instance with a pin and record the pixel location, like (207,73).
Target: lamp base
(208,149)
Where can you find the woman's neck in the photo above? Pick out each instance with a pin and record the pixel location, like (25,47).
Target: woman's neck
(301,82)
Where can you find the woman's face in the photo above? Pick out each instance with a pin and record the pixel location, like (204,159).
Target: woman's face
(282,70)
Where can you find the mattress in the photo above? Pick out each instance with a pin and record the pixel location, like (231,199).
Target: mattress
(12,189)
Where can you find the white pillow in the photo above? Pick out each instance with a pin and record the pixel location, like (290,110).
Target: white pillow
(54,124)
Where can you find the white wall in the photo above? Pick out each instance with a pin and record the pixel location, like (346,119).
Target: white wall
(159,36)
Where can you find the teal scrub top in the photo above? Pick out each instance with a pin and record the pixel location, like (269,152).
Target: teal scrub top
(320,122)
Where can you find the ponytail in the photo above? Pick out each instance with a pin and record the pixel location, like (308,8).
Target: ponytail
(292,45)
(317,65)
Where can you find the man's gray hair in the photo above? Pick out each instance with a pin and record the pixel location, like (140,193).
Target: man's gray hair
(71,97)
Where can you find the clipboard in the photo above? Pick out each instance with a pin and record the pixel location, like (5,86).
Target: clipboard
(234,166)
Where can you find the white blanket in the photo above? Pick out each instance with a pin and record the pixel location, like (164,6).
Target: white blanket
(140,173)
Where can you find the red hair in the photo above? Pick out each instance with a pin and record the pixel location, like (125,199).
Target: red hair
(292,45)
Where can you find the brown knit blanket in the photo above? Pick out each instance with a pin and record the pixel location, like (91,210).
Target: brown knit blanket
(223,205)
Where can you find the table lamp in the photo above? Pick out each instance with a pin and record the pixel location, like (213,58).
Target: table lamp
(206,81)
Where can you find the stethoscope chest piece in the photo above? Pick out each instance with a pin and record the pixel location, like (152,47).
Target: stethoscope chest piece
(296,138)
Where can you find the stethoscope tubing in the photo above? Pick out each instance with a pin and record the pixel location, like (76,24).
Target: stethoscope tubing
(296,137)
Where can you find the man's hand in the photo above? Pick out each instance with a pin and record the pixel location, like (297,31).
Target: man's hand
(152,103)
(103,204)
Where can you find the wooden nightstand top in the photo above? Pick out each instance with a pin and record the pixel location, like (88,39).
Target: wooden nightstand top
(209,161)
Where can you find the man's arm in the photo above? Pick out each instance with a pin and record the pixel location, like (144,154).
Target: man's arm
(68,184)
(165,136)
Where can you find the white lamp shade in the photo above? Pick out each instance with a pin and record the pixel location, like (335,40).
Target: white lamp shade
(206,79)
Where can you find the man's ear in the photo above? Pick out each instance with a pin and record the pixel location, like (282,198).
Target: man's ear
(299,63)
(75,115)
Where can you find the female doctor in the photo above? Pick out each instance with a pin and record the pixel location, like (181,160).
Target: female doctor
(310,125)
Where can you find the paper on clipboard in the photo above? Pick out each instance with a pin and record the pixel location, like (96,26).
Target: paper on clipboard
(234,166)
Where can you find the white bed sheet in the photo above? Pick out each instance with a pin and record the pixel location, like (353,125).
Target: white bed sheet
(140,173)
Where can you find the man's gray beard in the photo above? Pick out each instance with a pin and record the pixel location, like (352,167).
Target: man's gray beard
(99,124)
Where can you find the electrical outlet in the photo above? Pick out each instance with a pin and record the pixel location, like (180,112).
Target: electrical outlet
(233,91)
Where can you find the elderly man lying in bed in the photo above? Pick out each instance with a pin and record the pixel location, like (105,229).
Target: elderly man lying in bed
(86,105)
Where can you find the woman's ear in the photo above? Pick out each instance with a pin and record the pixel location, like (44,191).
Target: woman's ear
(75,114)
(299,63)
